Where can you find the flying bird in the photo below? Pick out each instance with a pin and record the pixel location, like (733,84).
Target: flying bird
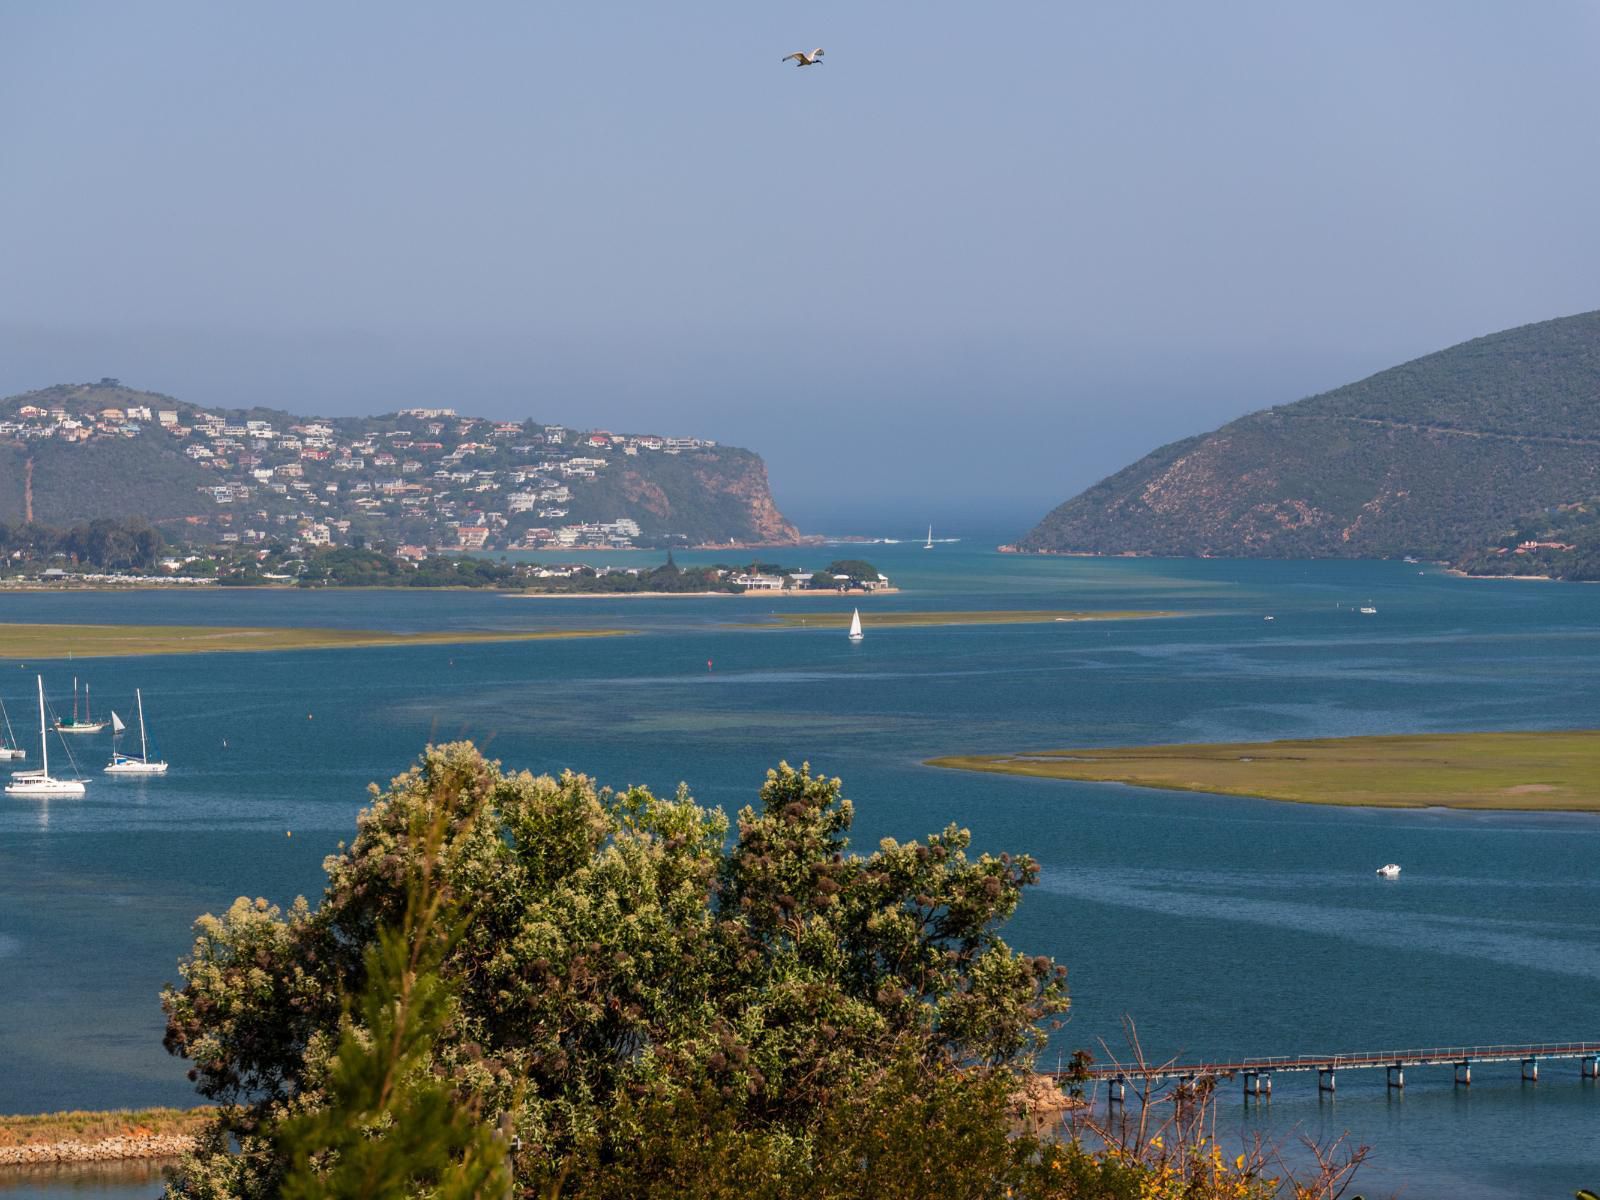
(802,59)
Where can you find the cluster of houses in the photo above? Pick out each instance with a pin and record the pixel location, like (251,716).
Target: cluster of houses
(427,477)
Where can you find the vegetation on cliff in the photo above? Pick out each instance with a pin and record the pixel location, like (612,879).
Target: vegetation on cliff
(1436,458)
(1562,542)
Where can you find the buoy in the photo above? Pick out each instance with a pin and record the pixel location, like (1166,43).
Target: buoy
(308,716)
(288,833)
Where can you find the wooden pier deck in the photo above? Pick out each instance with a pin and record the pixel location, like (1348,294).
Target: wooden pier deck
(1257,1073)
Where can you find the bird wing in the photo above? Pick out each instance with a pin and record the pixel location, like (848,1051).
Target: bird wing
(787,57)
(817,53)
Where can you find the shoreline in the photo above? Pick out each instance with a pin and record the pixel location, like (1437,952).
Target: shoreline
(121,1148)
(526,595)
(83,1138)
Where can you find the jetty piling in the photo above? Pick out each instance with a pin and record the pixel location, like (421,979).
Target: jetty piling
(1256,1073)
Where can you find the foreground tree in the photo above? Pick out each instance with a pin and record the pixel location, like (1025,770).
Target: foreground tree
(622,976)
(528,986)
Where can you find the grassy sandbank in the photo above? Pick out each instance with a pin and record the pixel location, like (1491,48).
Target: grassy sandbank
(886,620)
(49,1128)
(100,641)
(1556,771)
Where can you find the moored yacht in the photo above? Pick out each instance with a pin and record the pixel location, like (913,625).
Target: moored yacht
(39,783)
(11,751)
(128,764)
(88,724)
(1390,870)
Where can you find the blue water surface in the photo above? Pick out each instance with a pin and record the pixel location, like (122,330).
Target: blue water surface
(1220,926)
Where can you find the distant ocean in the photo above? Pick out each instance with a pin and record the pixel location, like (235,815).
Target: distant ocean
(1220,925)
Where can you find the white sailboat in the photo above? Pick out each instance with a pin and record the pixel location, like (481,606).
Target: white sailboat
(855,625)
(10,752)
(127,764)
(39,783)
(928,545)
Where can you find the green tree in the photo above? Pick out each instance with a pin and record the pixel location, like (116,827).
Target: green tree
(628,979)
(857,569)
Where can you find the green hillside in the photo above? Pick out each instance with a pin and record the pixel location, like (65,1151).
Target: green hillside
(1441,457)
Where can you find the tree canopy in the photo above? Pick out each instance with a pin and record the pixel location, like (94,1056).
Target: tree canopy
(627,980)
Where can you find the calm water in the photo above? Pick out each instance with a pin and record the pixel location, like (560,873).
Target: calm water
(1222,926)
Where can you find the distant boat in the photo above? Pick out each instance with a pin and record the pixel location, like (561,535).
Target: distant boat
(1269,618)
(88,724)
(10,751)
(1390,870)
(39,783)
(127,764)
(855,626)
(1368,610)
(928,545)
(1411,559)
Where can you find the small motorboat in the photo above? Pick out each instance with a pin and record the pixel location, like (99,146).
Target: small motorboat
(1390,870)
(1368,610)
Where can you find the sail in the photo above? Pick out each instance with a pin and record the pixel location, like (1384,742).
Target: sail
(855,623)
(116,722)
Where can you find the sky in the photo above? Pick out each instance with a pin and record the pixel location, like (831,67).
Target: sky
(982,257)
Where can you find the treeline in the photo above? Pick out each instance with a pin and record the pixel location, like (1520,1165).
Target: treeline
(1551,532)
(108,543)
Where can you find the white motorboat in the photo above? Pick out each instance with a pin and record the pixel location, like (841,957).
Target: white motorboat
(127,764)
(855,626)
(1390,870)
(1368,610)
(39,783)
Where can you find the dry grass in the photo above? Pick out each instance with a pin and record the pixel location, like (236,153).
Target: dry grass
(1555,771)
(50,1128)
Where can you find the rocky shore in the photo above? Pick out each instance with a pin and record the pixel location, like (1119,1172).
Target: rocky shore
(111,1149)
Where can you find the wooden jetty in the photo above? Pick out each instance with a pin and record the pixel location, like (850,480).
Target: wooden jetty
(1257,1073)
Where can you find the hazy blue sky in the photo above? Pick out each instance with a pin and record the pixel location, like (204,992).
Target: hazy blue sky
(985,255)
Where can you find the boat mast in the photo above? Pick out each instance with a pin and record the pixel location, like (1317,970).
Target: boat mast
(44,738)
(144,751)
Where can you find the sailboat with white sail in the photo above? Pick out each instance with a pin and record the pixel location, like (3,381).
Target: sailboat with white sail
(11,751)
(928,545)
(127,764)
(40,783)
(88,724)
(855,626)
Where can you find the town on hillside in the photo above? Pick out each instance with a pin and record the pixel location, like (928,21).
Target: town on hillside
(422,480)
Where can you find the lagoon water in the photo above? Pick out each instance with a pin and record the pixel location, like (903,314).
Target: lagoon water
(1220,925)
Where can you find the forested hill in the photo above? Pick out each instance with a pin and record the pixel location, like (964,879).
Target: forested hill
(1442,458)
(426,476)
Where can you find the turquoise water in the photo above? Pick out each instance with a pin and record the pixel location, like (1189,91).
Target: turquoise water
(1222,926)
